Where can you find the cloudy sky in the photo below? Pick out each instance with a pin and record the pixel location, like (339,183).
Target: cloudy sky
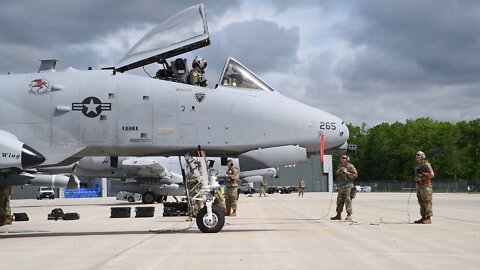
(369,61)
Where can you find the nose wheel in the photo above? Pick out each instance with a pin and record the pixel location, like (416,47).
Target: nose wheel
(201,193)
(213,224)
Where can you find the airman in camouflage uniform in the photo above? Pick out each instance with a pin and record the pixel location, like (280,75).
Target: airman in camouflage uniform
(220,200)
(231,182)
(262,189)
(301,187)
(346,173)
(5,211)
(423,175)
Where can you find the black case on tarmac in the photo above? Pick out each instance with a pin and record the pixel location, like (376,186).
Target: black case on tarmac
(56,214)
(144,211)
(120,212)
(71,216)
(20,217)
(175,209)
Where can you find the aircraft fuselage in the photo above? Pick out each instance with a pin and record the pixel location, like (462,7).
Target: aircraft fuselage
(73,114)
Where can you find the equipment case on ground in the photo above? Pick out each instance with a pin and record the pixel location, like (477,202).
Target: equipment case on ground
(120,212)
(144,211)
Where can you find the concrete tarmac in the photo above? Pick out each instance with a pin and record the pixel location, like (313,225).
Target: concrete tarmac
(281,231)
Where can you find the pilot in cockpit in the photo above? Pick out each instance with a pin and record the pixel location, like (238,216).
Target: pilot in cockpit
(195,77)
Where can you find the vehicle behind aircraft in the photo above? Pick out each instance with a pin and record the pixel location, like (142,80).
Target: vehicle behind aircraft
(45,192)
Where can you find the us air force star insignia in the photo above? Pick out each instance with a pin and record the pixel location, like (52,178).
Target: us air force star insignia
(200,97)
(91,107)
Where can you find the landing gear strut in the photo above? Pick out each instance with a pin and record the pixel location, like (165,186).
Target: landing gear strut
(200,193)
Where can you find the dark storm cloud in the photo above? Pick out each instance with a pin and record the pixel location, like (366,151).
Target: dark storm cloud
(50,21)
(261,45)
(437,40)
(49,27)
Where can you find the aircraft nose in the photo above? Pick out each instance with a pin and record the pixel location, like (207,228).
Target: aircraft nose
(343,130)
(335,131)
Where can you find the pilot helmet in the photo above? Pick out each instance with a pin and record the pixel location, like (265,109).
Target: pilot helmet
(200,62)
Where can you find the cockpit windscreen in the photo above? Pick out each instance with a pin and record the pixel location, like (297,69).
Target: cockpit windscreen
(237,75)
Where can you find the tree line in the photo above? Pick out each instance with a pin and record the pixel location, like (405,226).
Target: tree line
(386,152)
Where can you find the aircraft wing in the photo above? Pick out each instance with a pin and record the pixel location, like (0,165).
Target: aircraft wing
(184,32)
(145,167)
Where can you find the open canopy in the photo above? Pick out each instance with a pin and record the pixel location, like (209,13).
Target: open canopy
(184,32)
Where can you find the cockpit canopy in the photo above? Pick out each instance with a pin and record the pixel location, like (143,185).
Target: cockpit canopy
(237,75)
(184,32)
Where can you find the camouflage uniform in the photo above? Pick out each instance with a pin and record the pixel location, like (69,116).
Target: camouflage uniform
(262,189)
(231,181)
(193,187)
(345,184)
(196,77)
(5,211)
(424,189)
(301,187)
(220,200)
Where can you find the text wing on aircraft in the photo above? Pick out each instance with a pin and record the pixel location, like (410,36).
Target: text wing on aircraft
(184,32)
(145,167)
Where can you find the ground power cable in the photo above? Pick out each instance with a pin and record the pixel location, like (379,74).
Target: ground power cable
(329,207)
(390,223)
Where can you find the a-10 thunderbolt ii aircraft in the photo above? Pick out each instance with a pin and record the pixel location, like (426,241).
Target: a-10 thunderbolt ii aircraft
(55,118)
(156,177)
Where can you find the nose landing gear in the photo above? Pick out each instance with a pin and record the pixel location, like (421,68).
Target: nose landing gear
(201,188)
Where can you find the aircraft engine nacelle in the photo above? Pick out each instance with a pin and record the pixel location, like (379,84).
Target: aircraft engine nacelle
(16,154)
(272,157)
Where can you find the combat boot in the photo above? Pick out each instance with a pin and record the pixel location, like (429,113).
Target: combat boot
(349,217)
(234,213)
(337,217)
(427,220)
(227,212)
(419,221)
